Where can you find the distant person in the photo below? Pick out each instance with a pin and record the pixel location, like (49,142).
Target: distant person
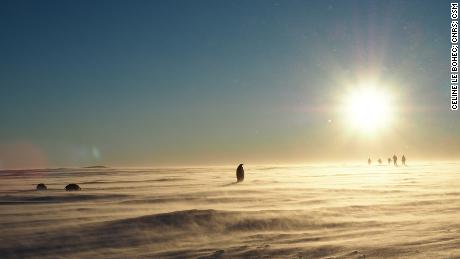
(240,173)
(380,161)
(403,160)
(369,161)
(389,160)
(395,160)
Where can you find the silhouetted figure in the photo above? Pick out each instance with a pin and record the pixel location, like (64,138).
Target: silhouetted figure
(403,160)
(240,173)
(380,161)
(41,187)
(369,161)
(395,160)
(389,160)
(72,187)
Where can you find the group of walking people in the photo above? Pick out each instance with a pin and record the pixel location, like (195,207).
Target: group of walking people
(395,160)
(240,169)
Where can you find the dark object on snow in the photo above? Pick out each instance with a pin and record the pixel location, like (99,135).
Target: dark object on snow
(369,161)
(240,173)
(403,160)
(380,161)
(72,187)
(41,187)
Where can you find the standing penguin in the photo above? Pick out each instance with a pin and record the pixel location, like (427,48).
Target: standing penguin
(240,173)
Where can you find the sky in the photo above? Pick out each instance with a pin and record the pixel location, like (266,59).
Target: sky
(158,83)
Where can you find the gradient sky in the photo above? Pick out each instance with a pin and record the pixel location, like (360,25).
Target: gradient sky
(149,83)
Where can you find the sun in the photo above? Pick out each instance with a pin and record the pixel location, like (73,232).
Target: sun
(368,109)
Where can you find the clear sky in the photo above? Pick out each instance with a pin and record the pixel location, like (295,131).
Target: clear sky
(147,83)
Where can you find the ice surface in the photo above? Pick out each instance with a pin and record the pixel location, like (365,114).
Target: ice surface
(278,211)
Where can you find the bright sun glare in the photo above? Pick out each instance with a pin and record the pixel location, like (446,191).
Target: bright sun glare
(368,109)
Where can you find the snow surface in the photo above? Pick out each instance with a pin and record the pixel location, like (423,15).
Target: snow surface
(321,211)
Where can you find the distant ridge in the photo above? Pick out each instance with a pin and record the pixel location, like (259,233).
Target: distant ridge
(95,166)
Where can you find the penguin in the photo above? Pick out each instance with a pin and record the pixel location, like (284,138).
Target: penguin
(41,187)
(72,187)
(240,173)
